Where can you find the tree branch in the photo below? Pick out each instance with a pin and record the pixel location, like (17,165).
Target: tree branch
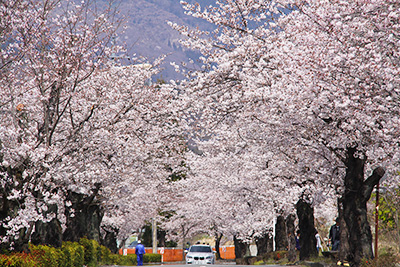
(372,181)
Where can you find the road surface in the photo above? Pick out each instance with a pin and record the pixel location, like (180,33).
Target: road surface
(215,265)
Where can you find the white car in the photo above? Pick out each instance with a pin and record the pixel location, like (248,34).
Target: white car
(200,254)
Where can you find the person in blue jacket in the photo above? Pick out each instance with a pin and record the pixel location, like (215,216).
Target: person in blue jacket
(297,237)
(139,251)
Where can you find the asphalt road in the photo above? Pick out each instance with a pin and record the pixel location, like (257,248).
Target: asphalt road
(215,265)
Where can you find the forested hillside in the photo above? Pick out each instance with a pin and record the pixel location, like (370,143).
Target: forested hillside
(147,33)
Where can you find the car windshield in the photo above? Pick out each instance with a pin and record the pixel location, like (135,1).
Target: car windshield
(200,249)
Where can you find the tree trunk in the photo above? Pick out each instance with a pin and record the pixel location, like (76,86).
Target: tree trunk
(183,249)
(10,208)
(184,233)
(357,193)
(308,243)
(344,247)
(270,242)
(281,242)
(110,240)
(47,234)
(218,238)
(240,248)
(291,237)
(161,237)
(264,243)
(147,236)
(87,217)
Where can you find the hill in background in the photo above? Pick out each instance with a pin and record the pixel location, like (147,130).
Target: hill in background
(147,33)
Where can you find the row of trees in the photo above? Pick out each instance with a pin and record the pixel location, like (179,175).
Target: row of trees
(83,142)
(296,107)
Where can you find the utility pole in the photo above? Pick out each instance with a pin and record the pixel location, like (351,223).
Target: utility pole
(154,235)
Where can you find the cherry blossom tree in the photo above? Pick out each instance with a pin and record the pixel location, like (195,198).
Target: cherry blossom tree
(228,193)
(146,142)
(81,137)
(239,108)
(352,81)
(313,81)
(45,55)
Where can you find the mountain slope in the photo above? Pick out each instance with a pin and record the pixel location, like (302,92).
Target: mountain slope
(147,33)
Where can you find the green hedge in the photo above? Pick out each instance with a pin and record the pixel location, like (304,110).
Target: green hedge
(131,259)
(72,254)
(106,256)
(18,260)
(48,256)
(150,257)
(128,260)
(92,252)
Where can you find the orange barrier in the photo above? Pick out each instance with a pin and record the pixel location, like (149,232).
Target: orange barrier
(227,253)
(176,254)
(171,254)
(167,254)
(126,251)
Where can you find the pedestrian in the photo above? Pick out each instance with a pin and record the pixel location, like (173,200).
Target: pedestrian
(319,244)
(334,235)
(298,240)
(140,251)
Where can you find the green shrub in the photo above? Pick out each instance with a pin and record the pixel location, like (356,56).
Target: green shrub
(151,257)
(71,254)
(68,256)
(92,251)
(74,254)
(105,256)
(114,259)
(128,260)
(18,260)
(47,256)
(131,259)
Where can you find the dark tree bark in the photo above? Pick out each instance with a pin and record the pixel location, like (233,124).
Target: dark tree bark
(270,243)
(344,247)
(10,208)
(7,209)
(110,240)
(147,236)
(291,237)
(354,200)
(264,243)
(218,238)
(281,242)
(161,237)
(22,243)
(87,217)
(308,243)
(240,248)
(47,233)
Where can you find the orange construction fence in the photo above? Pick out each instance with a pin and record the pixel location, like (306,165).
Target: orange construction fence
(227,252)
(176,254)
